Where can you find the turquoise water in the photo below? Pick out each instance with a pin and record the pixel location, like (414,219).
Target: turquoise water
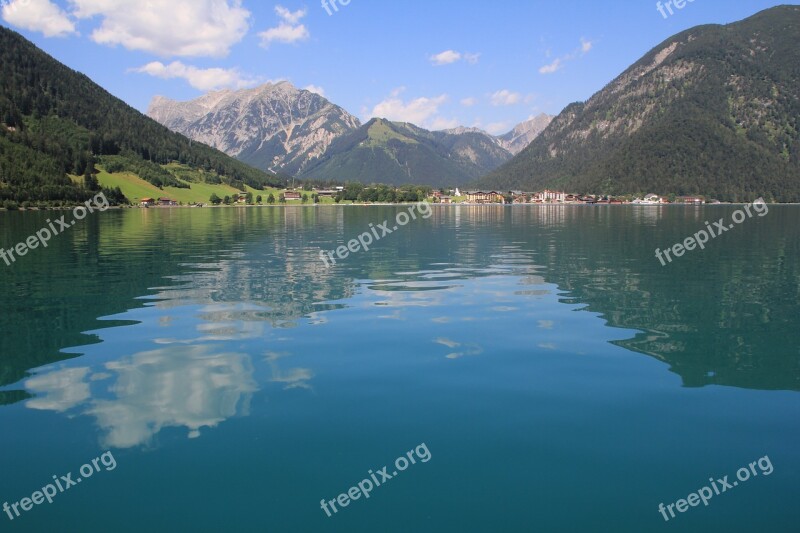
(559,377)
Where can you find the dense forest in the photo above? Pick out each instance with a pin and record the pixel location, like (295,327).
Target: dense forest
(712,111)
(357,192)
(56,122)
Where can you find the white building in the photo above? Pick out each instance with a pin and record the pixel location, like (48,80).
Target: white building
(548,196)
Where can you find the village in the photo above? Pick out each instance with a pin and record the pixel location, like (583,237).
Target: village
(444,197)
(555,197)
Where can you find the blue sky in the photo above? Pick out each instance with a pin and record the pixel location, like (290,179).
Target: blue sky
(435,63)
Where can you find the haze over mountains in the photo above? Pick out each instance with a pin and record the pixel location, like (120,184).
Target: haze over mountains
(280,128)
(714,110)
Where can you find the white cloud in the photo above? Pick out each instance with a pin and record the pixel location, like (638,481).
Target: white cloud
(290,17)
(209,79)
(447,342)
(38,15)
(191,28)
(472,58)
(288,31)
(284,33)
(552,67)
(59,390)
(316,89)
(446,57)
(441,123)
(498,128)
(449,57)
(469,102)
(558,63)
(505,97)
(420,111)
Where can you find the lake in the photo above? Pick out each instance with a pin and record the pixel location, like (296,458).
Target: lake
(536,367)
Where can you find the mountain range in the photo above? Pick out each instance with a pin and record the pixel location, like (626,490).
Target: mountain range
(281,128)
(400,153)
(714,110)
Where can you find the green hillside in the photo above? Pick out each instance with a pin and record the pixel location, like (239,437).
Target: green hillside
(134,188)
(398,153)
(713,110)
(55,122)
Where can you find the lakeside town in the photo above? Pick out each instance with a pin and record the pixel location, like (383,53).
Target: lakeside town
(559,197)
(336,195)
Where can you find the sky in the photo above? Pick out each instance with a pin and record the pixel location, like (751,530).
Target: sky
(436,63)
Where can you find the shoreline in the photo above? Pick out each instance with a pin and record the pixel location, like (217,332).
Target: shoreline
(649,206)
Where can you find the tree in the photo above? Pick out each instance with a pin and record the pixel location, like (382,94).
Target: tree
(304,199)
(259,200)
(281,198)
(248,198)
(90,182)
(115,196)
(315,197)
(271,199)
(227,200)
(215,200)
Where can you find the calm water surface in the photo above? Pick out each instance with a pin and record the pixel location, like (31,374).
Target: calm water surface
(560,377)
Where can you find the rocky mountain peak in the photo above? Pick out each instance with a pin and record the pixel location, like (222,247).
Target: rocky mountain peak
(274,126)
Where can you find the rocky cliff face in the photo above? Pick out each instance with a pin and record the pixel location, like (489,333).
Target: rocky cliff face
(523,134)
(273,127)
